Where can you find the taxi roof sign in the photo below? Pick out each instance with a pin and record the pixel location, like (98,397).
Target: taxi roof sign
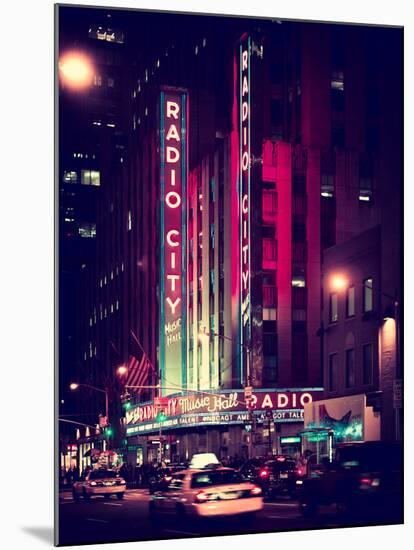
(203,460)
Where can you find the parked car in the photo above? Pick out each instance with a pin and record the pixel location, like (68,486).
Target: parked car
(208,492)
(365,478)
(275,476)
(99,482)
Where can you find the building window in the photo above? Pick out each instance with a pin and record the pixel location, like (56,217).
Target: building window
(298,278)
(350,301)
(129,222)
(368,302)
(91,177)
(269,203)
(333,307)
(97,80)
(365,189)
(327,185)
(87,230)
(70,176)
(269,296)
(269,249)
(333,371)
(367,364)
(269,314)
(350,368)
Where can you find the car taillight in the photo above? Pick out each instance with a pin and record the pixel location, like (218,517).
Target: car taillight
(201,496)
(263,473)
(300,471)
(122,482)
(256,491)
(369,482)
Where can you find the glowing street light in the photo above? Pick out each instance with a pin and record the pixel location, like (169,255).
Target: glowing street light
(338,282)
(122,370)
(74,386)
(76,70)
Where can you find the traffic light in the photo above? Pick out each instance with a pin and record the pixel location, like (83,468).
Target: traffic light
(126,401)
(161,416)
(108,431)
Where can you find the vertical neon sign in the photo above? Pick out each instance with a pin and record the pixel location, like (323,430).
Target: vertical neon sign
(173,288)
(244,205)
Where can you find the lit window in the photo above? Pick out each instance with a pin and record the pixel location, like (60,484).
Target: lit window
(269,314)
(110,124)
(117,305)
(368,302)
(327,185)
(333,371)
(70,177)
(196,50)
(91,177)
(105,280)
(129,223)
(146,75)
(365,189)
(100,283)
(158,62)
(299,280)
(367,364)
(69,220)
(350,368)
(90,321)
(337,80)
(204,42)
(333,308)
(146,111)
(97,80)
(112,308)
(350,302)
(122,266)
(97,123)
(87,230)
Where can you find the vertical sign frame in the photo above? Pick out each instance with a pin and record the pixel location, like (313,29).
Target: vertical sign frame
(173,239)
(245,206)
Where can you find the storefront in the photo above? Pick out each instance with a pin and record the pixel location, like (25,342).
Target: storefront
(217,422)
(339,420)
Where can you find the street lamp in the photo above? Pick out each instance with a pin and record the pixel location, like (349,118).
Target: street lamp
(122,370)
(76,70)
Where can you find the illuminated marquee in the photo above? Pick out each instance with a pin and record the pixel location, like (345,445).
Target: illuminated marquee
(173,118)
(221,407)
(244,197)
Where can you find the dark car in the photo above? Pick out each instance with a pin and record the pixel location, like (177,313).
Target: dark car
(161,477)
(365,478)
(275,476)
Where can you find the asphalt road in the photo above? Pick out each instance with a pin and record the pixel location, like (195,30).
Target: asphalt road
(113,520)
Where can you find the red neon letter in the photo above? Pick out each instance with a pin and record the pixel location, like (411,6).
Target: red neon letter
(172,109)
(173,154)
(177,199)
(169,239)
(172,133)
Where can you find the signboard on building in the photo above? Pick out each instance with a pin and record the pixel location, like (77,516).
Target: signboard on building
(397,394)
(244,203)
(220,407)
(173,191)
(348,417)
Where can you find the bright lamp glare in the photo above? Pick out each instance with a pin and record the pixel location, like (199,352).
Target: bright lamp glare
(74,386)
(338,282)
(122,370)
(76,70)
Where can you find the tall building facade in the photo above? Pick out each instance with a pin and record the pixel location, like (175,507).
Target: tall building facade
(273,131)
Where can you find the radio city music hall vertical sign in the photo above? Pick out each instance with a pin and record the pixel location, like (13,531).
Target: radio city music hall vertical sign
(173,175)
(244,200)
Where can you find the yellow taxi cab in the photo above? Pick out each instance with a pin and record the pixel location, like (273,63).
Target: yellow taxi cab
(102,481)
(208,492)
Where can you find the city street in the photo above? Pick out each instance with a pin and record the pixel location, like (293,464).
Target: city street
(111,520)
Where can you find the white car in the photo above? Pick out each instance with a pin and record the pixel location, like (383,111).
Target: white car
(208,492)
(99,482)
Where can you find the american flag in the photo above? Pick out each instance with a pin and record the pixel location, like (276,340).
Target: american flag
(138,371)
